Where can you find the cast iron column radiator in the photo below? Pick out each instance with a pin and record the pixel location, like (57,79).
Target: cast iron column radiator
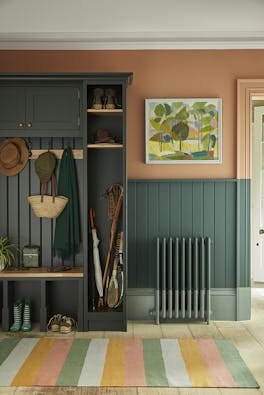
(183,278)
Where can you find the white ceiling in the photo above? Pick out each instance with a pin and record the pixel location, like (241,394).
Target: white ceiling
(131,24)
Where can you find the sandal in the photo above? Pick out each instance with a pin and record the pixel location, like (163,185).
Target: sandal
(68,324)
(54,323)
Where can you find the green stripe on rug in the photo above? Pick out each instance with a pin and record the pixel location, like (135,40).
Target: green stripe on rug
(235,364)
(154,365)
(6,346)
(73,364)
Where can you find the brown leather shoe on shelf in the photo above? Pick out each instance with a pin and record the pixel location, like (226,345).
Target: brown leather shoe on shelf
(98,98)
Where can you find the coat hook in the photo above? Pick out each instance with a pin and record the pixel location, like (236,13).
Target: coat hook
(29,144)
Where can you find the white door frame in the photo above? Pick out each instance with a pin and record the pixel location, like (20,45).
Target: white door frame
(256,205)
(247,89)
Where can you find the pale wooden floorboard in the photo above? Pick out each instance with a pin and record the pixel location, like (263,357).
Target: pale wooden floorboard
(175,331)
(41,391)
(199,391)
(158,391)
(109,391)
(147,330)
(240,391)
(7,391)
(205,331)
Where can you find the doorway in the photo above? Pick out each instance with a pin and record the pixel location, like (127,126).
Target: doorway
(250,95)
(257,190)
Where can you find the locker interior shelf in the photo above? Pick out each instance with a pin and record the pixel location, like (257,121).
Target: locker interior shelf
(42,272)
(105,111)
(105,145)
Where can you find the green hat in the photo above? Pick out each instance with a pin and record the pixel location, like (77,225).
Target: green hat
(45,165)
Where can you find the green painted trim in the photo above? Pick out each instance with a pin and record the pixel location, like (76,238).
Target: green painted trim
(243,240)
(190,180)
(227,304)
(193,207)
(243,303)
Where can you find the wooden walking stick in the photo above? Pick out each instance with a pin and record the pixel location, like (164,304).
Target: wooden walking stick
(120,274)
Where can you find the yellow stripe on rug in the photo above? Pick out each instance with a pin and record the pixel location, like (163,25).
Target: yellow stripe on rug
(113,374)
(196,368)
(30,368)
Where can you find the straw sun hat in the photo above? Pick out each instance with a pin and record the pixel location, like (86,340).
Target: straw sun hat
(13,156)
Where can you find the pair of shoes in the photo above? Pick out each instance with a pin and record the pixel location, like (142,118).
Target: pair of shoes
(61,323)
(18,325)
(104,99)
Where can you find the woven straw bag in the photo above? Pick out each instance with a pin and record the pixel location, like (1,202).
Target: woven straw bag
(45,206)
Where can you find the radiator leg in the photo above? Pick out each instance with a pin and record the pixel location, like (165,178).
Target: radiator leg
(164,303)
(202,303)
(176,299)
(157,306)
(182,304)
(189,303)
(170,303)
(195,302)
(208,306)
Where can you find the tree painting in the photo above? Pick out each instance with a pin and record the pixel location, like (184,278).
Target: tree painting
(183,130)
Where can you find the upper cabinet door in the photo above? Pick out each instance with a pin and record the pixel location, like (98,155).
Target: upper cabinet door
(12,108)
(53,108)
(49,110)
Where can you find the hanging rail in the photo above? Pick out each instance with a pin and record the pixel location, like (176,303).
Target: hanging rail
(77,153)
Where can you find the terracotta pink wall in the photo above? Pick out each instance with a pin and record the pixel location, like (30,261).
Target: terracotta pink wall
(159,74)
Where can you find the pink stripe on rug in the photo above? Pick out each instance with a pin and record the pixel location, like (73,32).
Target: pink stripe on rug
(134,372)
(51,368)
(215,364)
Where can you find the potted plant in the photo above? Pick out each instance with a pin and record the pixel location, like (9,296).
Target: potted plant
(6,252)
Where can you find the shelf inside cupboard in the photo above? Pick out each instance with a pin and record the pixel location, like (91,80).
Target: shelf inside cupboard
(105,146)
(106,112)
(42,272)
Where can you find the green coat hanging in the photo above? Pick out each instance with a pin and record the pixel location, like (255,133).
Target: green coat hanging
(67,230)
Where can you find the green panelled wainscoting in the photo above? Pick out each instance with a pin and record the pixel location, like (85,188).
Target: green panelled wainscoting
(216,208)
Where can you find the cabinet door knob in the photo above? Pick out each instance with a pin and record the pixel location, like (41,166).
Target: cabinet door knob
(21,124)
(29,124)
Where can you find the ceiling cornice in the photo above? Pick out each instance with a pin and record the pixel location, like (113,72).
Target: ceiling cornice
(131,41)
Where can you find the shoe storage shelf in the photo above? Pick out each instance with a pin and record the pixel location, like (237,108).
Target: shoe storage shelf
(41,287)
(86,111)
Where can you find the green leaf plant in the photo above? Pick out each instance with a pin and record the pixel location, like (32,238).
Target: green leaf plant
(7,256)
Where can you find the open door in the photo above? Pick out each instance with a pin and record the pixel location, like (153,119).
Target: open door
(257,196)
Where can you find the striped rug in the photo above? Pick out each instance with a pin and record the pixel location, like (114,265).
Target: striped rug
(122,362)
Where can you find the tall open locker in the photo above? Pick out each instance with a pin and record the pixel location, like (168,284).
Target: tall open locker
(54,111)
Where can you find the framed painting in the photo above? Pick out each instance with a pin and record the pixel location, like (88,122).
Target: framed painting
(183,131)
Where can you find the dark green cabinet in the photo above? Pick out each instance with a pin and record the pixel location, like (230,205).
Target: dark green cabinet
(12,108)
(55,111)
(40,110)
(106,167)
